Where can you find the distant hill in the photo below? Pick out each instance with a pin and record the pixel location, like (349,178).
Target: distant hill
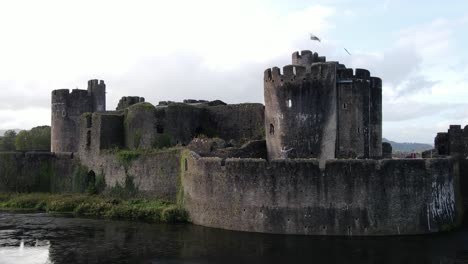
(408,147)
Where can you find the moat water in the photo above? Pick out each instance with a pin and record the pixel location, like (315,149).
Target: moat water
(39,238)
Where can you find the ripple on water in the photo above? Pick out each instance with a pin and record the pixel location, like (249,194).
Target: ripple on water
(25,239)
(37,254)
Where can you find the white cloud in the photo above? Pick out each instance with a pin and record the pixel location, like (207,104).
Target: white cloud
(23,118)
(207,49)
(162,50)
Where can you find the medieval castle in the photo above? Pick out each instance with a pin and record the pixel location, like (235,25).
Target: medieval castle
(309,161)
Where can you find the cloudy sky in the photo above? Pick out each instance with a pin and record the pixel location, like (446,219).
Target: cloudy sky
(172,50)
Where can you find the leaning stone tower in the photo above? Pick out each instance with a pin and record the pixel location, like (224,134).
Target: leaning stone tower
(320,109)
(67,107)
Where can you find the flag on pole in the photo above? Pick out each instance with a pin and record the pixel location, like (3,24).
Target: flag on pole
(313,37)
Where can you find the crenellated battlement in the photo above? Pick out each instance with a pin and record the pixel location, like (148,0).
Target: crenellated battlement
(60,96)
(362,74)
(95,83)
(65,96)
(77,93)
(306,58)
(61,92)
(294,73)
(343,74)
(376,82)
(349,75)
(297,74)
(288,73)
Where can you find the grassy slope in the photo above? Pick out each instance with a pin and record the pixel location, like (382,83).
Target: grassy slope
(95,206)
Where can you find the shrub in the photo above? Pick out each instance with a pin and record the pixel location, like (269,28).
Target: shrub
(173,214)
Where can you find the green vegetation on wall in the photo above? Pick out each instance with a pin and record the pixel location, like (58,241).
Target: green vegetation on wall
(126,157)
(184,156)
(85,180)
(126,190)
(137,138)
(46,176)
(79,177)
(100,184)
(162,141)
(20,173)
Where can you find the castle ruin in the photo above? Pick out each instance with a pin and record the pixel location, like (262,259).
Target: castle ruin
(320,109)
(66,111)
(308,162)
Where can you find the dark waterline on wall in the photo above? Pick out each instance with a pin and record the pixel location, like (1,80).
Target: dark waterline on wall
(39,238)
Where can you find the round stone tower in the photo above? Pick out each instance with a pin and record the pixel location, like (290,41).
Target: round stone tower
(320,109)
(67,107)
(300,111)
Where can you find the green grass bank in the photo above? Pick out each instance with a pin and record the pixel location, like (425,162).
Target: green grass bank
(95,206)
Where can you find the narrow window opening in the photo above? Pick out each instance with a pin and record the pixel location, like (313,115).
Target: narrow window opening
(185,164)
(345,106)
(272,129)
(289,103)
(89,122)
(88,138)
(294,70)
(159,129)
(359,130)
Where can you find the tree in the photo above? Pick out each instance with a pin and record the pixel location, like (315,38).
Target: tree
(23,140)
(38,138)
(8,141)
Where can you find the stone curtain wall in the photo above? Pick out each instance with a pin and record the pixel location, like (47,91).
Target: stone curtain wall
(36,172)
(348,197)
(155,173)
(240,122)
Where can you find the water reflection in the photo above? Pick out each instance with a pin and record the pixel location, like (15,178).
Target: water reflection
(37,254)
(97,241)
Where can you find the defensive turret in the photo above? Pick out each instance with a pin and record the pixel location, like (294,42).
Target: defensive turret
(320,109)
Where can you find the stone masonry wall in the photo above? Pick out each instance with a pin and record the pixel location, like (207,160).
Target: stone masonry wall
(348,197)
(36,172)
(238,121)
(154,173)
(300,111)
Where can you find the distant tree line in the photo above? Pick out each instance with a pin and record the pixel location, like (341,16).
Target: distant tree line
(38,138)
